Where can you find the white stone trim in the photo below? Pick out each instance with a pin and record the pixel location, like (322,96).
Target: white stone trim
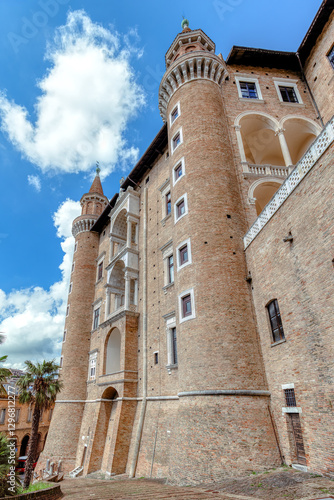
(185,198)
(190,292)
(189,261)
(177,105)
(178,131)
(291,409)
(240,78)
(287,82)
(181,160)
(288,386)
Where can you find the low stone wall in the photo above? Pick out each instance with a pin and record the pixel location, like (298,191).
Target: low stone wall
(52,493)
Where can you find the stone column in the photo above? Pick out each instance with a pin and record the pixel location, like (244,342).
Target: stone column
(127,292)
(136,293)
(284,147)
(107,310)
(129,232)
(240,143)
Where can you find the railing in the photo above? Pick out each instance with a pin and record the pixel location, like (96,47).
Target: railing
(277,171)
(319,146)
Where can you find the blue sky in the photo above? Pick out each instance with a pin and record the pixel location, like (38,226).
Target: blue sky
(79,83)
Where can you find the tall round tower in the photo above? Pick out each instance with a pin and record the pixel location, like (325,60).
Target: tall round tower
(223,415)
(64,430)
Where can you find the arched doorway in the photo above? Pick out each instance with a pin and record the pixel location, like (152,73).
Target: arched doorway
(24,446)
(103,431)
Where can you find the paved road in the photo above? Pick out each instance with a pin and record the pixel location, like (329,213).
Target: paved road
(137,489)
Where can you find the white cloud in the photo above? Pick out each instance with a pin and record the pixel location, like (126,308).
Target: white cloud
(35,181)
(88,96)
(33,319)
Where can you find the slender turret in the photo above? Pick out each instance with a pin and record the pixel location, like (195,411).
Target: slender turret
(64,430)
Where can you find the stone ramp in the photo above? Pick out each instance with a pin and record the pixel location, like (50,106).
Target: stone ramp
(137,489)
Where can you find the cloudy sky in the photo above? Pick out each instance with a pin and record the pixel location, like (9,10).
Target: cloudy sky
(79,83)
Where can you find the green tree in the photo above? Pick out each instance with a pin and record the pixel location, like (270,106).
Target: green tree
(4,372)
(7,466)
(38,386)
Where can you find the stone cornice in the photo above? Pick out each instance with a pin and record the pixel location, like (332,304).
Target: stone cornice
(83,223)
(189,37)
(193,66)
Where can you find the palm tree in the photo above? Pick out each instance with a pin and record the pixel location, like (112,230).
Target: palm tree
(38,386)
(6,461)
(4,372)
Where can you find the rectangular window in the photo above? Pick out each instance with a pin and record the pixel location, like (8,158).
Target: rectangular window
(156,358)
(331,56)
(100,270)
(174,114)
(248,90)
(29,416)
(17,415)
(61,362)
(178,171)
(168,203)
(180,208)
(96,318)
(174,346)
(92,368)
(170,269)
(70,288)
(64,335)
(73,264)
(275,321)
(290,397)
(183,252)
(176,140)
(2,416)
(186,306)
(75,247)
(67,310)
(288,94)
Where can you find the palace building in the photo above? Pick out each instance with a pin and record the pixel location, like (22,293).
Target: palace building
(198,337)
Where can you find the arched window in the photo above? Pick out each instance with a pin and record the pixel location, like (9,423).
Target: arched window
(262,193)
(113,352)
(275,321)
(299,135)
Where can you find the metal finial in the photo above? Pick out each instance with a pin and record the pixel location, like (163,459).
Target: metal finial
(185,23)
(98,170)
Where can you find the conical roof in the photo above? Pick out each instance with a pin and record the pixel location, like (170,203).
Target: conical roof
(96,186)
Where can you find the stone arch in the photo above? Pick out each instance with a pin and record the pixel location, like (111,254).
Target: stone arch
(261,192)
(258,141)
(299,134)
(119,226)
(113,352)
(103,429)
(24,445)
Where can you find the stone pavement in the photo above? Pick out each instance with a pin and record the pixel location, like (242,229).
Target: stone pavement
(138,489)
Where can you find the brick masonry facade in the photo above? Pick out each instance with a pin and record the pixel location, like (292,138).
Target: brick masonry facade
(168,364)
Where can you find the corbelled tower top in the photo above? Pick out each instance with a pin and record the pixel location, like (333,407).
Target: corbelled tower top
(92,204)
(190,57)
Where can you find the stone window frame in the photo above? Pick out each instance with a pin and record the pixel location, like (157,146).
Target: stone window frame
(100,266)
(92,364)
(289,409)
(64,335)
(170,321)
(165,189)
(178,259)
(287,82)
(70,288)
(2,416)
(73,266)
(156,357)
(240,78)
(167,251)
(67,310)
(178,107)
(177,164)
(184,197)
(172,148)
(61,361)
(75,247)
(97,315)
(330,57)
(181,296)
